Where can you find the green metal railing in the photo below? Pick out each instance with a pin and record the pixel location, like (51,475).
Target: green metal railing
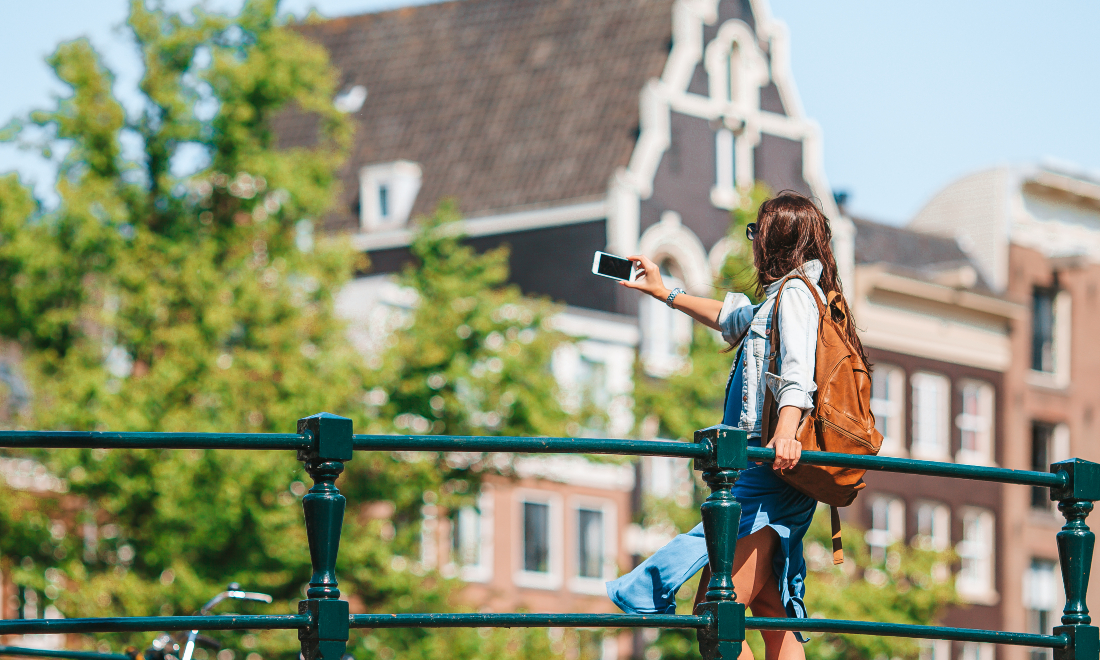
(325,442)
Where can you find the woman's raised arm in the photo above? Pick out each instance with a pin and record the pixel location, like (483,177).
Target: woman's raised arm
(648,280)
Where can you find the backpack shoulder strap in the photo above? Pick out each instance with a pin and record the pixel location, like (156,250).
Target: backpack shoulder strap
(773,365)
(838,544)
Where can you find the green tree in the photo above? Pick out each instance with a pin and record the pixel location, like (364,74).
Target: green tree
(151,299)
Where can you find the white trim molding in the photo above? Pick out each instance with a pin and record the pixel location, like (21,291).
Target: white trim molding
(741,116)
(574,212)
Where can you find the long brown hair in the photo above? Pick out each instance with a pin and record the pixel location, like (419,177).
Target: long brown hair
(791,230)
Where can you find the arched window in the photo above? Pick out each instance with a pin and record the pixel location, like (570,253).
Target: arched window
(666,333)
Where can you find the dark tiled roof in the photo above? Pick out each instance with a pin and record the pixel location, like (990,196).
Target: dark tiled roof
(503,103)
(912,252)
(876,243)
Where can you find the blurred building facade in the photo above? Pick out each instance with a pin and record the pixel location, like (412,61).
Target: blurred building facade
(939,338)
(1034,235)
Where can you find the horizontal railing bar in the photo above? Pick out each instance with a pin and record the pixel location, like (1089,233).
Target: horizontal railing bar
(154,623)
(911,466)
(72,655)
(530,445)
(112,440)
(905,630)
(527,620)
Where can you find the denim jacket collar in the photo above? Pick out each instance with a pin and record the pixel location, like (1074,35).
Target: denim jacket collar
(811,270)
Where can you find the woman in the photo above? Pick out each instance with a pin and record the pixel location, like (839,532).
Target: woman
(790,237)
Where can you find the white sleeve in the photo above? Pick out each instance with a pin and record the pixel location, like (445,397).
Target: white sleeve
(798,319)
(735,317)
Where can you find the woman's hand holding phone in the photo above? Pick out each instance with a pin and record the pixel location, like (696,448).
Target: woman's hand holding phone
(647,278)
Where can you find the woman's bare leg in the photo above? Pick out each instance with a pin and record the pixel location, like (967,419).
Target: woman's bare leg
(752,566)
(778,644)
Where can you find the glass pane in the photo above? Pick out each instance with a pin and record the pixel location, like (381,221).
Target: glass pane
(590,539)
(1042,329)
(467,537)
(1040,461)
(536,537)
(384,201)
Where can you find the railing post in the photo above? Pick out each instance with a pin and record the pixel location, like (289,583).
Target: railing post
(1075,546)
(721,514)
(327,636)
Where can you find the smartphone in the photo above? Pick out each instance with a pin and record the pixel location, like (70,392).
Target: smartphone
(616,268)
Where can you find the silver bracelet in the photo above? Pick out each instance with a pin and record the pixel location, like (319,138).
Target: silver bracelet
(672,296)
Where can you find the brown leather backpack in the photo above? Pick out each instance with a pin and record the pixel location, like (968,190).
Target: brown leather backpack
(841,420)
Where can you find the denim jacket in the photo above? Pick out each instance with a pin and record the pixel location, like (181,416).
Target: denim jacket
(750,324)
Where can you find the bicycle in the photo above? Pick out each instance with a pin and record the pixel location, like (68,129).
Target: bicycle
(166,647)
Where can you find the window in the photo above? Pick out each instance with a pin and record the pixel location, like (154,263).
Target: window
(975,580)
(1049,444)
(888,405)
(590,535)
(1041,594)
(935,649)
(387,192)
(536,537)
(887,525)
(1041,440)
(734,91)
(594,544)
(975,423)
(540,547)
(976,651)
(384,202)
(724,193)
(665,476)
(466,536)
(1042,328)
(592,379)
(665,331)
(931,401)
(1050,333)
(471,543)
(933,525)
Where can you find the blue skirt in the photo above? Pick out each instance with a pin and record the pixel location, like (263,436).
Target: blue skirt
(766,501)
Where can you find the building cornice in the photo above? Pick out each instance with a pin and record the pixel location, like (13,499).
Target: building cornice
(875,277)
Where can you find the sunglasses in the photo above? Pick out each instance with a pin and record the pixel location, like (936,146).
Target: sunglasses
(750,231)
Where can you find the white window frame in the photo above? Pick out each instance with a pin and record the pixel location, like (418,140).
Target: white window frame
(552,579)
(402,180)
(887,524)
(982,424)
(609,565)
(891,409)
(941,449)
(976,580)
(934,524)
(482,571)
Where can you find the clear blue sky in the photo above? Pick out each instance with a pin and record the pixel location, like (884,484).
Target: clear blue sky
(909,95)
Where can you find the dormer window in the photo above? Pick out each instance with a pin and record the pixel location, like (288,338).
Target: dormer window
(387,192)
